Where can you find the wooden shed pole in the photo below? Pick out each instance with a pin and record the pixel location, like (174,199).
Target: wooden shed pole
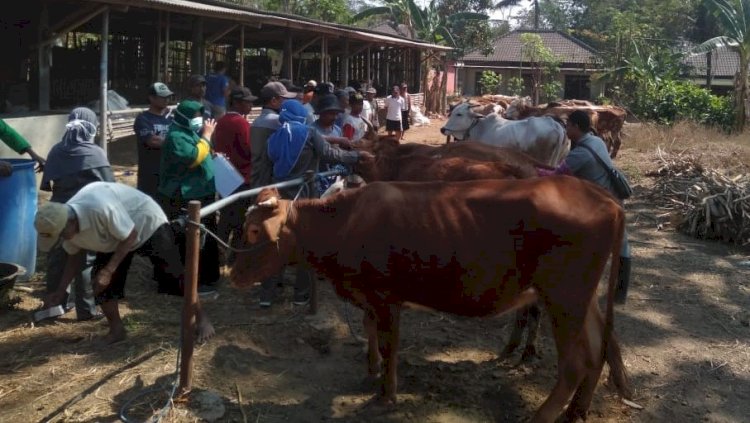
(242,56)
(190,294)
(167,78)
(103,79)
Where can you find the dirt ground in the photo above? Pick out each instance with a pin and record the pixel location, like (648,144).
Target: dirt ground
(684,332)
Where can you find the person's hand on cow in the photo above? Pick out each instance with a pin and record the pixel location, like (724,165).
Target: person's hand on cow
(366,157)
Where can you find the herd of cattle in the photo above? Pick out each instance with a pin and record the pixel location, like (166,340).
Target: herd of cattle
(466,228)
(491,112)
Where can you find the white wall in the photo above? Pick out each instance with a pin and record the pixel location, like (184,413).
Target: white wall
(42,132)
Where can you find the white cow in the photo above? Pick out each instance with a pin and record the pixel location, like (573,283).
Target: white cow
(540,137)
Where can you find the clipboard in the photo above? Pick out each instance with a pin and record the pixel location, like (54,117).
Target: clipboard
(226,178)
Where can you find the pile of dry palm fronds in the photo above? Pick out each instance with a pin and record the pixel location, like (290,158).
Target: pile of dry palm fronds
(709,204)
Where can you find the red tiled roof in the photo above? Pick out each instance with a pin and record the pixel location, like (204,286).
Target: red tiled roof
(507,49)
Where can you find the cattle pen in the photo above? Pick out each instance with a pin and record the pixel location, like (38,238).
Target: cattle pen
(193,229)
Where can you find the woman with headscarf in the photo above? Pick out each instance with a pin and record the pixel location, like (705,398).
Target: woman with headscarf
(186,173)
(73,163)
(295,149)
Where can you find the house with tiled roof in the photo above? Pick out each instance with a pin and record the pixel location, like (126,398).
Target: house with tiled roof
(725,63)
(578,62)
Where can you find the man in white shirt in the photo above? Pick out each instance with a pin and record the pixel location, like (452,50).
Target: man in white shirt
(393,104)
(370,108)
(115,221)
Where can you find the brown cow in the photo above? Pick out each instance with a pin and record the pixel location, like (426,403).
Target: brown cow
(606,121)
(475,248)
(451,162)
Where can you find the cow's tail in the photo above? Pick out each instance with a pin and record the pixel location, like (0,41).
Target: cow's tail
(610,348)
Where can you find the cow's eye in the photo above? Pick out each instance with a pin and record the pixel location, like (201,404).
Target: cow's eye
(459,114)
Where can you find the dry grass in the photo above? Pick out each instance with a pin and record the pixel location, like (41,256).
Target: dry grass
(714,149)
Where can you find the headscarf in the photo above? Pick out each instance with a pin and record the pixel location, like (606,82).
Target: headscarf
(76,151)
(185,111)
(286,144)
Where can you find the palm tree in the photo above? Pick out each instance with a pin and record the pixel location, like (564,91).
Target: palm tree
(508,3)
(427,24)
(734,20)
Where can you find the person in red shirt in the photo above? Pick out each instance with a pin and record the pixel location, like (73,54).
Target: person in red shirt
(232,139)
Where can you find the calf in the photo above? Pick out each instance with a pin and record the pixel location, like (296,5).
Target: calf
(475,248)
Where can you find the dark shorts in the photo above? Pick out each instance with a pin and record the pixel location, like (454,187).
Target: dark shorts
(392,125)
(163,252)
(405,119)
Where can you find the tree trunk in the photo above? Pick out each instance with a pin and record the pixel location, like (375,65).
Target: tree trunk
(443,90)
(741,94)
(425,81)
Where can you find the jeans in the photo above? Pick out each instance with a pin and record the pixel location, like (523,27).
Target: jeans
(80,292)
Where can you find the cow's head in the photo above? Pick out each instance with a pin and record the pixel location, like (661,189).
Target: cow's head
(383,148)
(460,121)
(267,244)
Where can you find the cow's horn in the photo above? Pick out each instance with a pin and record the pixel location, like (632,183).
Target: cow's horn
(270,203)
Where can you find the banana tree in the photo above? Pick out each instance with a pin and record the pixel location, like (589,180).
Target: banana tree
(733,18)
(427,24)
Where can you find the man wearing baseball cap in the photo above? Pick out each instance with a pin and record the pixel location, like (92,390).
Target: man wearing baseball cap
(150,128)
(196,86)
(272,96)
(232,139)
(115,221)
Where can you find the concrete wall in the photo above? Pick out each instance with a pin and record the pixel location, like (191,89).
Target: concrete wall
(42,132)
(469,77)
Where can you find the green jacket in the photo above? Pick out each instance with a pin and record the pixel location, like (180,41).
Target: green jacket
(185,158)
(13,139)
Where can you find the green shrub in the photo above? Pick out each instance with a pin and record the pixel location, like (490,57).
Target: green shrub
(670,101)
(490,82)
(515,86)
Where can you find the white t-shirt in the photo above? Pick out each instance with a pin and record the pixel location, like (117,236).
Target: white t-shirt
(394,106)
(366,110)
(107,212)
(356,122)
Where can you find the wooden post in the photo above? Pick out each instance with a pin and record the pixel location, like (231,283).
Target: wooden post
(192,256)
(289,56)
(167,79)
(103,79)
(369,69)
(322,59)
(242,56)
(43,56)
(345,65)
(158,73)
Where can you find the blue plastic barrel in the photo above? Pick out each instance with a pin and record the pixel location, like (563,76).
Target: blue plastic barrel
(18,199)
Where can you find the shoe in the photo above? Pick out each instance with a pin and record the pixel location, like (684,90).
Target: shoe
(90,317)
(49,313)
(206,292)
(265,303)
(301,301)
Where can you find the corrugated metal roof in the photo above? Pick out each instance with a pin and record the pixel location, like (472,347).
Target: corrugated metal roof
(724,63)
(244,14)
(508,49)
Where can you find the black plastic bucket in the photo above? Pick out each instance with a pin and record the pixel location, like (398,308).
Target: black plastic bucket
(8,274)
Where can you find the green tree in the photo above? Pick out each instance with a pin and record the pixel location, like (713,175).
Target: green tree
(490,82)
(508,3)
(427,24)
(545,66)
(734,20)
